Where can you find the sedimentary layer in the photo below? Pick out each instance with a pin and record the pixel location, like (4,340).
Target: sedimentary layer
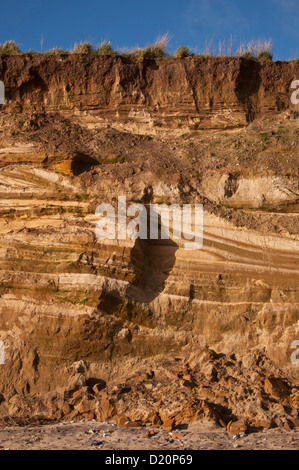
(90,326)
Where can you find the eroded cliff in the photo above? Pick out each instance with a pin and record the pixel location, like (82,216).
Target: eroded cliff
(147,331)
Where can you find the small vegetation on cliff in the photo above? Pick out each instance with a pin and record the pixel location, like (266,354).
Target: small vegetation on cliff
(248,55)
(56,51)
(182,52)
(105,48)
(83,48)
(157,50)
(9,47)
(256,50)
(260,50)
(265,56)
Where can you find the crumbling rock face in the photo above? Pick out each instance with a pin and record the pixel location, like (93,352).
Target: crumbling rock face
(146,331)
(198,93)
(243,394)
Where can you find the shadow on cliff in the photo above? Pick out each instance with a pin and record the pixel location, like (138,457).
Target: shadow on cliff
(151,262)
(247,86)
(81,162)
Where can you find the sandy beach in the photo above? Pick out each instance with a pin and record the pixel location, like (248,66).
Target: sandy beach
(107,436)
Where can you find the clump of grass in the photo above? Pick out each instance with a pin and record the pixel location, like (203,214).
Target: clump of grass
(260,50)
(83,48)
(56,51)
(105,48)
(248,55)
(9,47)
(264,50)
(265,56)
(158,50)
(182,52)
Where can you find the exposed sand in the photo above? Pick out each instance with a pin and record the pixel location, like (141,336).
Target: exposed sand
(107,436)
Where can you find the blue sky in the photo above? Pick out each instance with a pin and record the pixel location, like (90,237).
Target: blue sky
(138,22)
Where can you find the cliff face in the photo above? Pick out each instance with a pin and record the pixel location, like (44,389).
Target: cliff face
(78,315)
(198,93)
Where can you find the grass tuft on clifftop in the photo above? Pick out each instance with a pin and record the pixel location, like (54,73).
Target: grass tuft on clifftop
(9,47)
(260,50)
(83,48)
